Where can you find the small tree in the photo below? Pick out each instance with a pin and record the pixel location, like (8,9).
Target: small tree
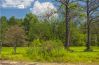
(15,35)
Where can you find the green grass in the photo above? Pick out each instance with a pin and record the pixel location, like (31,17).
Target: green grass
(60,55)
(7,54)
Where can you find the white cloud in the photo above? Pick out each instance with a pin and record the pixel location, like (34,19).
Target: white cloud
(45,9)
(21,4)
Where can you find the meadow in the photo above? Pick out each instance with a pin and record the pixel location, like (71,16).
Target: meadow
(60,55)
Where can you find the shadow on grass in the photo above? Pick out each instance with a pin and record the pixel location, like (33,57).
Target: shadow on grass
(85,51)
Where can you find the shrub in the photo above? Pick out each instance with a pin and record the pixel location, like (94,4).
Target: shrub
(47,51)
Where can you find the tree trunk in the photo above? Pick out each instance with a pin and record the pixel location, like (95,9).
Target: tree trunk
(0,47)
(67,43)
(15,48)
(28,44)
(88,44)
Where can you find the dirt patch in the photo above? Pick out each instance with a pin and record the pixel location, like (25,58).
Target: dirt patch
(37,63)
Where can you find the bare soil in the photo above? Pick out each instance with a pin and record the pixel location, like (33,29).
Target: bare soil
(3,62)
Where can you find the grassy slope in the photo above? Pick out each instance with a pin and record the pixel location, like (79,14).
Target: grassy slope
(77,56)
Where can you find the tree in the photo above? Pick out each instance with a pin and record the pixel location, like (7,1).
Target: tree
(28,23)
(12,21)
(3,28)
(15,35)
(92,6)
(39,30)
(69,14)
(67,22)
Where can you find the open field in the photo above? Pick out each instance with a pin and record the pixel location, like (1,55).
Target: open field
(72,57)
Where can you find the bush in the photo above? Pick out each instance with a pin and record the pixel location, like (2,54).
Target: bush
(46,51)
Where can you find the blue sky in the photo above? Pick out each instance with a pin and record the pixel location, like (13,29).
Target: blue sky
(19,8)
(8,9)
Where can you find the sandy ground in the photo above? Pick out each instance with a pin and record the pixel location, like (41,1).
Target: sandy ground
(37,63)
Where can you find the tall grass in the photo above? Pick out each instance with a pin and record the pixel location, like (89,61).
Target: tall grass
(53,51)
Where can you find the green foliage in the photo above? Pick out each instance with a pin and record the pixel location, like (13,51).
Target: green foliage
(36,43)
(12,21)
(29,23)
(3,27)
(77,37)
(51,30)
(39,30)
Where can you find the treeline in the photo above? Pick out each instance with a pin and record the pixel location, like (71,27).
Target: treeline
(22,32)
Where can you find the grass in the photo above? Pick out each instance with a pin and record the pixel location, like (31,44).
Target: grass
(23,54)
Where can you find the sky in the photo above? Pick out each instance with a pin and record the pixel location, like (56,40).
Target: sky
(19,8)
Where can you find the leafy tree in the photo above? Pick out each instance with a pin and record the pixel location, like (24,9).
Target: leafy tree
(15,35)
(12,21)
(71,13)
(67,21)
(28,23)
(91,8)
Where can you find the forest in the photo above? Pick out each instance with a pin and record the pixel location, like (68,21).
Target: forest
(72,37)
